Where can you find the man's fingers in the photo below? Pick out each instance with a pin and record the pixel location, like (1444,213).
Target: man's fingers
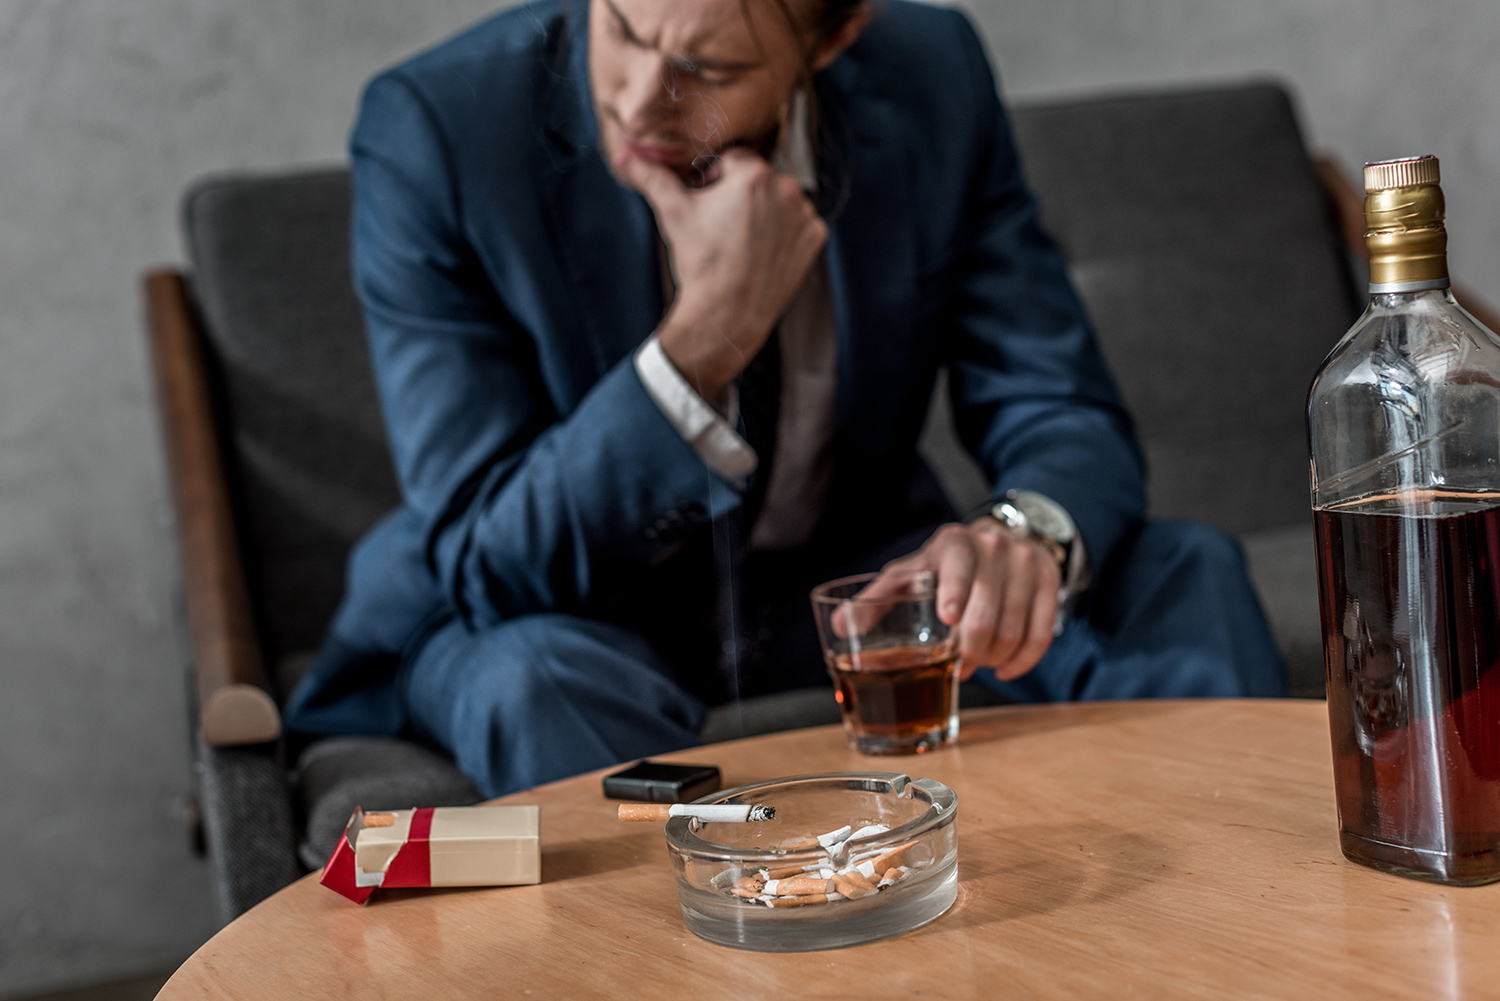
(736,158)
(893,580)
(709,172)
(854,618)
(1042,619)
(660,186)
(976,630)
(956,565)
(1021,570)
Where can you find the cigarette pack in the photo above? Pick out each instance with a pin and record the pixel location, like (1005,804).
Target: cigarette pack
(442,846)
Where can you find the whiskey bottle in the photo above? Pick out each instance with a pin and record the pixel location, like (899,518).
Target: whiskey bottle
(1404,434)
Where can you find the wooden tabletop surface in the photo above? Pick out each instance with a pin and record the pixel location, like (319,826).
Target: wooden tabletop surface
(1137,849)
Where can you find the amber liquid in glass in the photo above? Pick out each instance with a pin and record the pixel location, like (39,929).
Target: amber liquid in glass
(900,699)
(1411,633)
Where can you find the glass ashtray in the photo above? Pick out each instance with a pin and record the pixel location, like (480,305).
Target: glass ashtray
(850,857)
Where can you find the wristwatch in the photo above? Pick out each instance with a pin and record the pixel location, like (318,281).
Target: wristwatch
(1030,515)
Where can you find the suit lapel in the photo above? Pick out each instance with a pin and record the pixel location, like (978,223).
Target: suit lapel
(604,233)
(872,263)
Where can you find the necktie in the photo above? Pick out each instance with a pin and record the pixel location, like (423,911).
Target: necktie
(760,409)
(739,625)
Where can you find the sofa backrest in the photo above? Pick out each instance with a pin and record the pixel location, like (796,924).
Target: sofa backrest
(305,444)
(1198,236)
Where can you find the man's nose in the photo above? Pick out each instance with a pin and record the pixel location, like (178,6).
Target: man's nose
(649,94)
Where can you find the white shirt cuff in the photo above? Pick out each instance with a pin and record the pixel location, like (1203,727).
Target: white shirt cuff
(710,433)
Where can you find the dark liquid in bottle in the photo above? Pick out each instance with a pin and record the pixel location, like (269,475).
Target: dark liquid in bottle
(899,693)
(1410,595)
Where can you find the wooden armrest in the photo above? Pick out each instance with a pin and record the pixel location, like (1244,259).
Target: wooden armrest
(1348,203)
(234,706)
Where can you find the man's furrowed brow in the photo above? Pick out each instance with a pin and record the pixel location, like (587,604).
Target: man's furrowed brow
(720,65)
(625,25)
(696,62)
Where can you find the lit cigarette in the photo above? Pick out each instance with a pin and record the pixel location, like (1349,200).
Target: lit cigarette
(713,813)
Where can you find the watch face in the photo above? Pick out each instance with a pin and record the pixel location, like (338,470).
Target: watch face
(1010,516)
(1045,515)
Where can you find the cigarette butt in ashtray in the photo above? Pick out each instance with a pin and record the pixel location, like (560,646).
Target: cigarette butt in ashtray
(853,884)
(811,898)
(749,887)
(708,813)
(797,886)
(893,859)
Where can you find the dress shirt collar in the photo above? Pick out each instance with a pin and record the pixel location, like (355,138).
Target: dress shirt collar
(794,148)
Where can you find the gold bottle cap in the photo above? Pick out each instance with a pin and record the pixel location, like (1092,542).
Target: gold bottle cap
(1405,173)
(1404,217)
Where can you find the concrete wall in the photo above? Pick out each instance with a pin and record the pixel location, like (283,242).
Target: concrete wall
(1377,79)
(108,109)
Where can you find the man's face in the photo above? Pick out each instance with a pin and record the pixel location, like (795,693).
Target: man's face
(676,81)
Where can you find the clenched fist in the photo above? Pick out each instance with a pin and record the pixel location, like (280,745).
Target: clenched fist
(740,247)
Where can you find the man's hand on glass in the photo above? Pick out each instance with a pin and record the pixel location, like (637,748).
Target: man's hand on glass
(998,590)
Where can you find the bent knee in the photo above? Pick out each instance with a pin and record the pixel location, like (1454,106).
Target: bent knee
(1193,542)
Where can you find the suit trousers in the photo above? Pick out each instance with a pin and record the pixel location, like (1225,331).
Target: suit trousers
(545,696)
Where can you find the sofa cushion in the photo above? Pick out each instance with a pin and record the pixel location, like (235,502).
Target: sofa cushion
(1284,566)
(335,775)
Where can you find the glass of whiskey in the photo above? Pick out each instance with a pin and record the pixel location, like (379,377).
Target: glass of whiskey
(894,662)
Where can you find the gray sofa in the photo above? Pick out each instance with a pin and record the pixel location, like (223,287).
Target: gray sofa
(1197,233)
(1211,260)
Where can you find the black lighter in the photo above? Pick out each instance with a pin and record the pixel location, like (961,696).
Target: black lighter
(659,782)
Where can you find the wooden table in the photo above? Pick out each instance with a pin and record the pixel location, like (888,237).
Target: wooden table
(1148,849)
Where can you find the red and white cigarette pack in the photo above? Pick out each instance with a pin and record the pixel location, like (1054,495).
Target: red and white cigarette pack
(441,846)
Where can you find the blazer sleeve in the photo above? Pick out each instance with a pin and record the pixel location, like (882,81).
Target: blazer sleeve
(524,509)
(1032,397)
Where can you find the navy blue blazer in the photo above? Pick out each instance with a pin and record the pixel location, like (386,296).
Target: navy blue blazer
(507,278)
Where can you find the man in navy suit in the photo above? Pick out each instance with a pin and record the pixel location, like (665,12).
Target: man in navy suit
(657,291)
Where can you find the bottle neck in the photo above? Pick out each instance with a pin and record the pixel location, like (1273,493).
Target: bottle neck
(1420,300)
(1407,239)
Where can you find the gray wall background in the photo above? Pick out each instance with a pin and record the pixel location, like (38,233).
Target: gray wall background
(108,109)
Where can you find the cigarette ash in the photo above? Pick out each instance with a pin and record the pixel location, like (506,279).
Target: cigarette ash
(840,875)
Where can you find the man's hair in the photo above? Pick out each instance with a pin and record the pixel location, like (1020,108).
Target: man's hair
(829,17)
